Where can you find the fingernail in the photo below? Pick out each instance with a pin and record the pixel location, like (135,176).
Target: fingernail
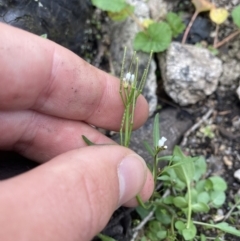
(132,173)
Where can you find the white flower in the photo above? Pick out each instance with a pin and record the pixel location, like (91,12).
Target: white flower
(132,78)
(161,142)
(128,76)
(128,79)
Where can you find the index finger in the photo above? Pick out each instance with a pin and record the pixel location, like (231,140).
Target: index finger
(40,75)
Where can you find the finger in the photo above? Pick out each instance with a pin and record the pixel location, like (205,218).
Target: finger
(41,75)
(71,197)
(41,137)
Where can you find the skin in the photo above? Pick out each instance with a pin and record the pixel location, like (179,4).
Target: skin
(49,97)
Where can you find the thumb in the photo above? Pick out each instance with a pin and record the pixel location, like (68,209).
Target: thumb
(73,196)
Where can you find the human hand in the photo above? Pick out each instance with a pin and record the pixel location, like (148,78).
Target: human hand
(49,98)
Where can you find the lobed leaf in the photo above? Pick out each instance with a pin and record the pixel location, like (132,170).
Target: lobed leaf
(176,24)
(157,37)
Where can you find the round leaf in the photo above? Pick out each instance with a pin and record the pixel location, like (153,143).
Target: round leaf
(189,233)
(180,202)
(179,225)
(203,197)
(218,183)
(156,38)
(200,207)
(218,198)
(218,15)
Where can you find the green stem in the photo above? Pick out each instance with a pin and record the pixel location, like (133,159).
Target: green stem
(189,206)
(126,126)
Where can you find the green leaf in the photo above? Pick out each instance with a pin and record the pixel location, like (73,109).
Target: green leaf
(168,199)
(163,216)
(236,15)
(156,135)
(44,35)
(148,148)
(164,178)
(142,212)
(157,37)
(121,15)
(87,141)
(180,202)
(219,184)
(203,197)
(189,233)
(200,168)
(218,198)
(228,229)
(176,24)
(179,225)
(208,185)
(203,237)
(200,186)
(185,170)
(112,6)
(178,152)
(105,238)
(200,207)
(162,234)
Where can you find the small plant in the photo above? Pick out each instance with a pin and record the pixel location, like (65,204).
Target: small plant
(207,131)
(185,191)
(153,36)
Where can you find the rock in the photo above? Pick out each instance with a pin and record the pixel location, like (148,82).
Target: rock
(237,174)
(121,35)
(231,72)
(172,126)
(189,73)
(159,8)
(64,22)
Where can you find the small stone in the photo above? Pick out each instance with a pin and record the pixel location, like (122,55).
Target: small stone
(227,162)
(231,72)
(222,148)
(237,174)
(189,73)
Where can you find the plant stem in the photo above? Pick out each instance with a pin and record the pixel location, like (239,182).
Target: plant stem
(155,162)
(189,26)
(189,205)
(216,36)
(231,210)
(225,40)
